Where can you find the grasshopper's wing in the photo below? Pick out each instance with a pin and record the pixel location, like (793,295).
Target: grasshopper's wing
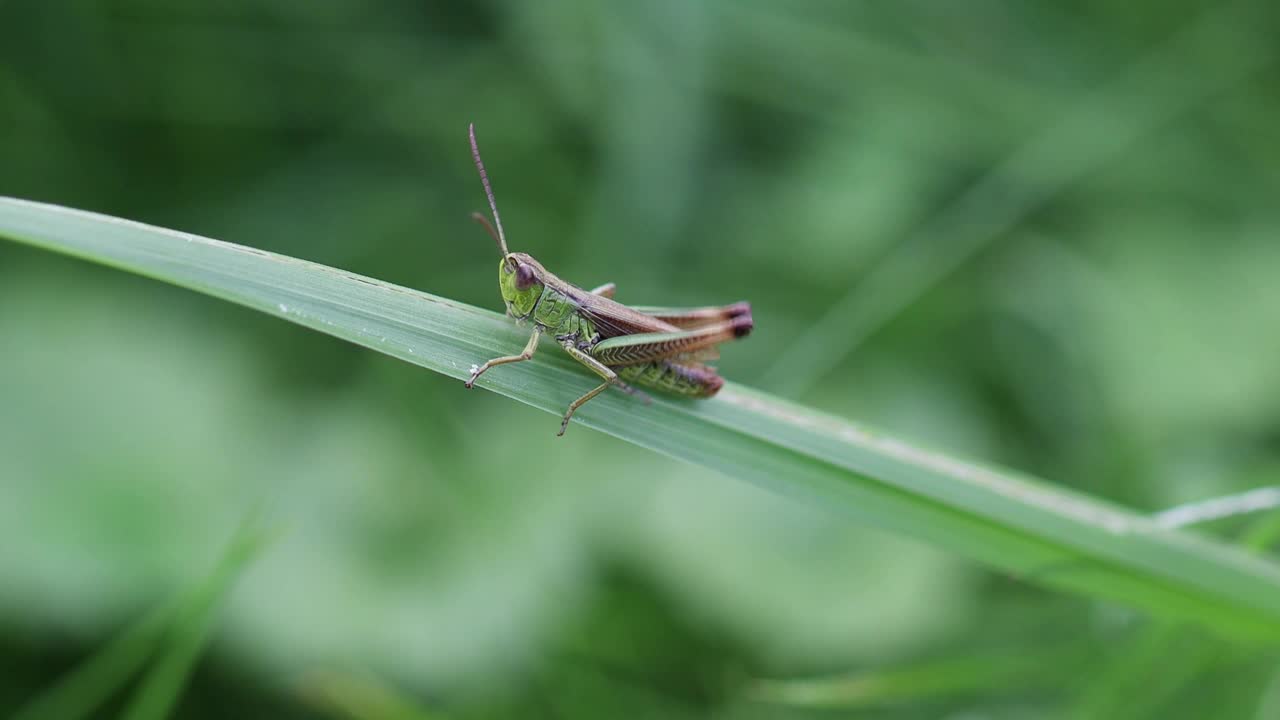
(610,318)
(704,355)
(696,317)
(613,319)
(647,347)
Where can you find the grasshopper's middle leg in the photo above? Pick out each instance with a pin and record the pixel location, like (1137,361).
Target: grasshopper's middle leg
(604,371)
(525,355)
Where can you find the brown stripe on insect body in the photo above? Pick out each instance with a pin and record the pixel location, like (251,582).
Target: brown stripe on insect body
(692,318)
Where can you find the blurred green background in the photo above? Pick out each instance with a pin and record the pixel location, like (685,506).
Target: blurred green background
(1044,235)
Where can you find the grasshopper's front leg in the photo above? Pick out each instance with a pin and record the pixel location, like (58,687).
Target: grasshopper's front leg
(604,371)
(525,355)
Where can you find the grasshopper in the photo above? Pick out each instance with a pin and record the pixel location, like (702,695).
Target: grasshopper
(654,347)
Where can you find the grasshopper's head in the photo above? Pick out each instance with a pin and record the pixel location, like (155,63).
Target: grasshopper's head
(519,276)
(520,279)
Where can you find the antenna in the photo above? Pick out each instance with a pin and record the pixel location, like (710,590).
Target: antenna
(493,205)
(488,226)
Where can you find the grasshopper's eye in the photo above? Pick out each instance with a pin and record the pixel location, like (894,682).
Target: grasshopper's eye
(524,277)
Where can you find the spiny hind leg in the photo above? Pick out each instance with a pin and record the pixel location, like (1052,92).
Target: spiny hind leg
(605,290)
(529,349)
(604,371)
(648,347)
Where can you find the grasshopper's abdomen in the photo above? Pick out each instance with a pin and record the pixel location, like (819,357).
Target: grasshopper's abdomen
(690,380)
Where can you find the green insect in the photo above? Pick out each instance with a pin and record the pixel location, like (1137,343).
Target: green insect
(660,348)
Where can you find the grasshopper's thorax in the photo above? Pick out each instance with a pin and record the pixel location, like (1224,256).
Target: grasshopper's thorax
(520,279)
(530,295)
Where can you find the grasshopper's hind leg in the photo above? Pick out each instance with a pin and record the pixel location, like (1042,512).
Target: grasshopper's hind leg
(604,371)
(698,317)
(525,355)
(650,347)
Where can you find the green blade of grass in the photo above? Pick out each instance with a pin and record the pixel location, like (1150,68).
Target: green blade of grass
(162,685)
(1018,524)
(96,680)
(356,696)
(929,681)
(1162,659)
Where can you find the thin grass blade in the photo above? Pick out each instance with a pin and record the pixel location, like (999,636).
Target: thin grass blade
(161,687)
(1021,525)
(104,674)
